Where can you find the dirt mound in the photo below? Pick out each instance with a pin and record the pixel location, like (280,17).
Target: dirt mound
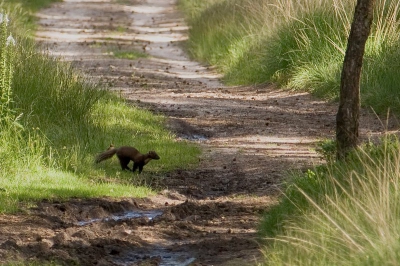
(109,232)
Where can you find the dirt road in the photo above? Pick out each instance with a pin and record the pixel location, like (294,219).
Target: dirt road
(250,137)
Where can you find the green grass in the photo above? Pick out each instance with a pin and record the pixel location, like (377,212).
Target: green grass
(60,121)
(23,12)
(297,44)
(34,5)
(30,186)
(340,214)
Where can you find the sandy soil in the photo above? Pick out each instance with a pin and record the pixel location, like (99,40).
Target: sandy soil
(251,136)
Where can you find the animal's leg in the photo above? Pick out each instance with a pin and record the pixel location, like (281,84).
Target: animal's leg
(124,163)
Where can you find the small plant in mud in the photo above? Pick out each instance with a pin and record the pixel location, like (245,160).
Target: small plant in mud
(131,54)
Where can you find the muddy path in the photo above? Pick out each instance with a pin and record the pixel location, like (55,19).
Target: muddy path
(250,136)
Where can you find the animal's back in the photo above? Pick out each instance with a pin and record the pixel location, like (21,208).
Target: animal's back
(127,152)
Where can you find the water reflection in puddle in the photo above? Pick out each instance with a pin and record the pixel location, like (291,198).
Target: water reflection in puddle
(157,256)
(151,214)
(195,137)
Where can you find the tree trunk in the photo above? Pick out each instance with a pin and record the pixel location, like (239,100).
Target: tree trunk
(349,103)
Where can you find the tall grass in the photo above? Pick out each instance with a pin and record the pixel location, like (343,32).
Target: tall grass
(348,215)
(23,13)
(298,44)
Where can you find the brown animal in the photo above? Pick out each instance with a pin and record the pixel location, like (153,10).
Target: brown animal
(126,154)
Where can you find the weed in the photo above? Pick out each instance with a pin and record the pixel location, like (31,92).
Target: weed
(7,46)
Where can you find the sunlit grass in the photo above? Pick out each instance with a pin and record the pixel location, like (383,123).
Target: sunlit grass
(297,44)
(45,183)
(343,214)
(122,124)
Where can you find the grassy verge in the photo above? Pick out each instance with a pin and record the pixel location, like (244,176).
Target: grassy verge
(298,44)
(57,121)
(24,18)
(340,214)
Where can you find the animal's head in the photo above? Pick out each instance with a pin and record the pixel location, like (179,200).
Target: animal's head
(153,155)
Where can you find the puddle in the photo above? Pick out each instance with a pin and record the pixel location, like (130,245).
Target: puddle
(151,214)
(157,256)
(195,137)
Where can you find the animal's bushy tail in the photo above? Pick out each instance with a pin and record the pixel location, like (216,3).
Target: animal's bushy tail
(106,155)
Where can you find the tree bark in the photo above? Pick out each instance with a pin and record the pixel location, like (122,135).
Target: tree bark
(347,119)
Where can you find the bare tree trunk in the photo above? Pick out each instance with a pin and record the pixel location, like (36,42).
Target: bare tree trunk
(349,103)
